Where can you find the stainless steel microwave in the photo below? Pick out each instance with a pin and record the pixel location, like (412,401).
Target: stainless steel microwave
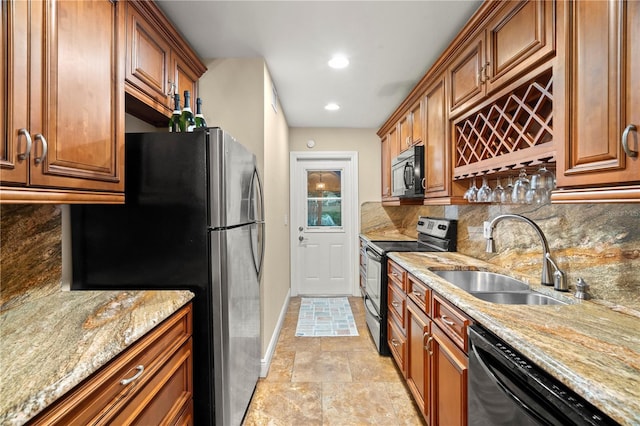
(407,173)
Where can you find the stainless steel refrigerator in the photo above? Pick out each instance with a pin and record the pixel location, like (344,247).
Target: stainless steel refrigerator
(192,219)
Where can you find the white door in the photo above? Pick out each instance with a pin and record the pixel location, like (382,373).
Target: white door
(324,220)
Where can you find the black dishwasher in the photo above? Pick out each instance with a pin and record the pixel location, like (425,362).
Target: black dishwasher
(505,388)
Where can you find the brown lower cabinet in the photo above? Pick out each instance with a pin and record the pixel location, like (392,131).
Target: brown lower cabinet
(431,353)
(150,383)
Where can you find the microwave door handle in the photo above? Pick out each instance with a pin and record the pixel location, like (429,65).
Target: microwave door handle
(519,400)
(407,173)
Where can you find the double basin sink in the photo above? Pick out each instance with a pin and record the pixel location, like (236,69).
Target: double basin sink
(496,288)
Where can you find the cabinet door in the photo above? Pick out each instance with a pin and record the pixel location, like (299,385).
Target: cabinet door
(449,381)
(405,132)
(416,123)
(519,37)
(465,76)
(417,363)
(149,70)
(186,79)
(79,109)
(438,155)
(386,167)
(603,84)
(14,91)
(394,142)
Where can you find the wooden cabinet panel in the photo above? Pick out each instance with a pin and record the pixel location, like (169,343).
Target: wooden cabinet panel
(418,369)
(416,123)
(419,293)
(148,61)
(14,91)
(159,63)
(397,275)
(81,115)
(449,381)
(386,167)
(453,322)
(519,37)
(603,51)
(465,78)
(438,151)
(74,101)
(397,306)
(397,344)
(159,393)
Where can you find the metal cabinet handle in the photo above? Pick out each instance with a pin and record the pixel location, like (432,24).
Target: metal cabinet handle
(625,140)
(395,274)
(45,148)
(427,346)
(27,150)
(395,304)
(172,88)
(424,182)
(486,72)
(417,294)
(447,321)
(140,369)
(395,343)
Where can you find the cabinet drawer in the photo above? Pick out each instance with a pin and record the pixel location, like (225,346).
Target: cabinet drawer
(419,293)
(102,396)
(453,322)
(397,306)
(397,343)
(397,275)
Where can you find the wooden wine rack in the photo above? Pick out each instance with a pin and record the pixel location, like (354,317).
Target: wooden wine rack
(514,131)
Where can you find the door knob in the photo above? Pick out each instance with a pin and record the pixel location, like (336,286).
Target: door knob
(301,238)
(300,229)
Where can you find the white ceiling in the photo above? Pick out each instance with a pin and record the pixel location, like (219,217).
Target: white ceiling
(390,45)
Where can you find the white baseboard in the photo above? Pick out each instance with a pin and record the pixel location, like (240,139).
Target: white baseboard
(265,363)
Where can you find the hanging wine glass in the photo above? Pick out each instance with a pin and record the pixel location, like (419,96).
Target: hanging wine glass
(547,183)
(520,188)
(484,193)
(498,192)
(471,193)
(508,191)
(534,194)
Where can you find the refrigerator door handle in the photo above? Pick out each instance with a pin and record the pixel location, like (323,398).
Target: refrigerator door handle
(256,207)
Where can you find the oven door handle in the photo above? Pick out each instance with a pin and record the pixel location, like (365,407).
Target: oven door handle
(372,309)
(486,366)
(373,255)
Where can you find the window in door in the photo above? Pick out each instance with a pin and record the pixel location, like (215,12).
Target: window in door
(324,198)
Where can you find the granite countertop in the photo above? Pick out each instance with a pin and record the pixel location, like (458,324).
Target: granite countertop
(590,347)
(52,343)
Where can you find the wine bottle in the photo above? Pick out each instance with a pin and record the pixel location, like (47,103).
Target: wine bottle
(174,122)
(187,122)
(200,121)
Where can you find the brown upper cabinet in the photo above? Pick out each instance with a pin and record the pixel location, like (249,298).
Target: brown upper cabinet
(517,37)
(603,98)
(437,151)
(63,102)
(411,127)
(159,63)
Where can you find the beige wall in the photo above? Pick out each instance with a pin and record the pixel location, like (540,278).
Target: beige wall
(236,96)
(276,277)
(364,141)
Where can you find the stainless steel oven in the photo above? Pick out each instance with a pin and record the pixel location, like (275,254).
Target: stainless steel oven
(505,388)
(434,234)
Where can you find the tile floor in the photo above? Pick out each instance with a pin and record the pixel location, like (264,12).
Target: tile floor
(330,381)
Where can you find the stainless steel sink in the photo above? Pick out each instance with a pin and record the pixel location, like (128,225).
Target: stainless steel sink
(496,288)
(473,281)
(518,298)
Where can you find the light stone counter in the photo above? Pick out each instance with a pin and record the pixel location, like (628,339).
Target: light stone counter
(592,348)
(52,343)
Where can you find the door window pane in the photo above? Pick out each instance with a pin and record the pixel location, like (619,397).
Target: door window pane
(324,198)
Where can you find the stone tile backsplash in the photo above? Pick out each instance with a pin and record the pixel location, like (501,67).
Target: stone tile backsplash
(598,242)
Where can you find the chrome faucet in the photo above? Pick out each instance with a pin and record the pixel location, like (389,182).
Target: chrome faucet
(557,279)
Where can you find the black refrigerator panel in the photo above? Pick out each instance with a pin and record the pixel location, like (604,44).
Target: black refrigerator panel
(138,244)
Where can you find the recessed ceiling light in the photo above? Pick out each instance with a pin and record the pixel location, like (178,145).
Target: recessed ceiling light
(332,107)
(338,61)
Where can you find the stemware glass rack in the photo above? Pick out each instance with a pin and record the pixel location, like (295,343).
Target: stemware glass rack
(514,131)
